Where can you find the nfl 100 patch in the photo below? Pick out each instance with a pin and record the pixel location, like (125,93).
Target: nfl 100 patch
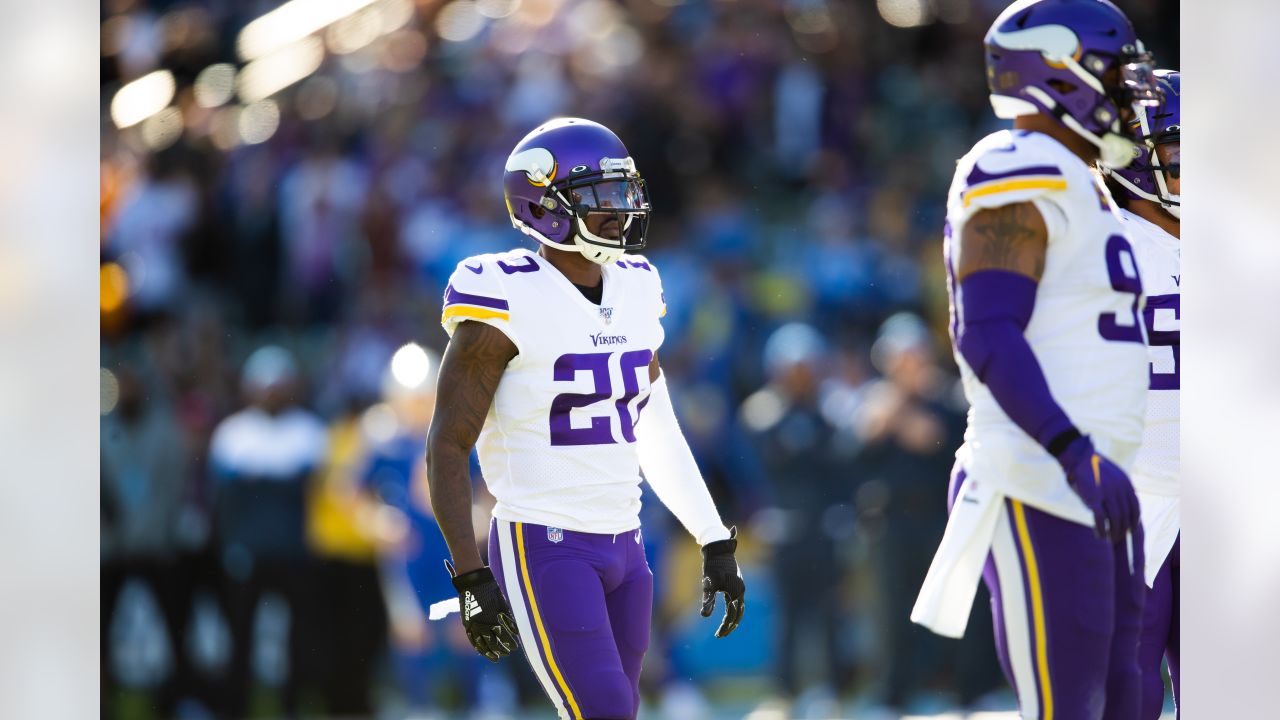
(555,535)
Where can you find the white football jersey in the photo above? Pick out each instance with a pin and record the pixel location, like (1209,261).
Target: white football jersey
(558,446)
(1085,331)
(1157,466)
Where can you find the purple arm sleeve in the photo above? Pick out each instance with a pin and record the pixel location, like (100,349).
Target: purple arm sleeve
(995,307)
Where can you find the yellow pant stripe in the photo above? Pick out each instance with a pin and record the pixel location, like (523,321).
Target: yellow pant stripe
(1037,610)
(537,621)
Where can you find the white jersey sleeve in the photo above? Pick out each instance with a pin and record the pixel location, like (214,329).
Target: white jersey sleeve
(475,292)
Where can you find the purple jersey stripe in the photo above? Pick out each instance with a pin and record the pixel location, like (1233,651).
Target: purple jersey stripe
(978,176)
(453,297)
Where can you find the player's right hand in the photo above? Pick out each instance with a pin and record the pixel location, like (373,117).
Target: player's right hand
(485,614)
(1103,486)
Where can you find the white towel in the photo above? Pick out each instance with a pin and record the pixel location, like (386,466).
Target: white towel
(952,582)
(443,609)
(1161,522)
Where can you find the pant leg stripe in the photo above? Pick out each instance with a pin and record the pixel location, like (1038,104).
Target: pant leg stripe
(537,620)
(1013,605)
(519,606)
(1037,608)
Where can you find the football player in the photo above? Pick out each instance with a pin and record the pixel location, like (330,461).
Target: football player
(1045,301)
(552,373)
(1148,188)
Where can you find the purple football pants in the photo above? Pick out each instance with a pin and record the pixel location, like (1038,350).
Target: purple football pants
(1068,612)
(583,604)
(1160,635)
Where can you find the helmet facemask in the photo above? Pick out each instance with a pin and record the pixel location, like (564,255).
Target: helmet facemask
(1123,87)
(614,200)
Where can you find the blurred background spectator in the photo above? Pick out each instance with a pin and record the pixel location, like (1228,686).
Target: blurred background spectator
(306,174)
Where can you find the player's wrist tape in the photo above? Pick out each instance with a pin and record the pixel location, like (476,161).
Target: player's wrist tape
(1060,442)
(472,579)
(996,307)
(722,547)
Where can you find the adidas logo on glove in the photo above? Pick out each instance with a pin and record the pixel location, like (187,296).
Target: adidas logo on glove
(471,608)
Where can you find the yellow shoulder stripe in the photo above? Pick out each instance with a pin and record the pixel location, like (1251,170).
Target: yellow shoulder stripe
(1032,183)
(473,313)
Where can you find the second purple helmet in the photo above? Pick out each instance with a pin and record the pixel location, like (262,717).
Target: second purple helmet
(1078,61)
(567,169)
(1144,178)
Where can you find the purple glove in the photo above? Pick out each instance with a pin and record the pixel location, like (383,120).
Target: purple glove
(1103,486)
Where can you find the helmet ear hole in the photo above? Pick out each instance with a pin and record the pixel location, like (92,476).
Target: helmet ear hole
(1062,86)
(537,210)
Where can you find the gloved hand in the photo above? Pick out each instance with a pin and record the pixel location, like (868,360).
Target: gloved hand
(1103,486)
(720,574)
(487,618)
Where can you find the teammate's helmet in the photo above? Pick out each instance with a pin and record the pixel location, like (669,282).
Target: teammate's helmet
(1057,56)
(566,169)
(1143,179)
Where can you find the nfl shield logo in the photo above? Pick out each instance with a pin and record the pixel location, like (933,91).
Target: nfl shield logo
(606,314)
(555,535)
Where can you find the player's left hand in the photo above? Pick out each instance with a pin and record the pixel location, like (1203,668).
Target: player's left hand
(720,574)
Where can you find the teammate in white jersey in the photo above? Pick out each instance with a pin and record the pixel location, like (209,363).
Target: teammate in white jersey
(1148,188)
(552,374)
(1045,324)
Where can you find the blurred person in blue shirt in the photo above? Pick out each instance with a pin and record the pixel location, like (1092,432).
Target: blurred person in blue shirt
(433,663)
(910,424)
(262,459)
(799,450)
(145,477)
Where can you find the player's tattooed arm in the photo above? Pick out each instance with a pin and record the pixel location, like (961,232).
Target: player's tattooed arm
(1011,237)
(473,364)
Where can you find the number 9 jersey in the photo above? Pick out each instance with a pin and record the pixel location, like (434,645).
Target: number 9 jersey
(558,445)
(1085,331)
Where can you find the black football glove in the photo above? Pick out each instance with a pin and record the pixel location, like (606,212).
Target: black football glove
(485,614)
(720,574)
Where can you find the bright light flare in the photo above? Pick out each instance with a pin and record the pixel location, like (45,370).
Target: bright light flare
(290,23)
(142,98)
(113,287)
(110,389)
(258,122)
(904,13)
(215,85)
(267,76)
(162,129)
(411,366)
(459,21)
(497,9)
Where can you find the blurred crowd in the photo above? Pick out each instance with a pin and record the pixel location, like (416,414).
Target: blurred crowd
(272,263)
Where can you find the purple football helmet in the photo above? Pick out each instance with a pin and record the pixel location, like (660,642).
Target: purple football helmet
(1057,56)
(567,169)
(1144,178)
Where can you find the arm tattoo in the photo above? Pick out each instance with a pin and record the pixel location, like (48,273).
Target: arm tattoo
(1011,237)
(469,374)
